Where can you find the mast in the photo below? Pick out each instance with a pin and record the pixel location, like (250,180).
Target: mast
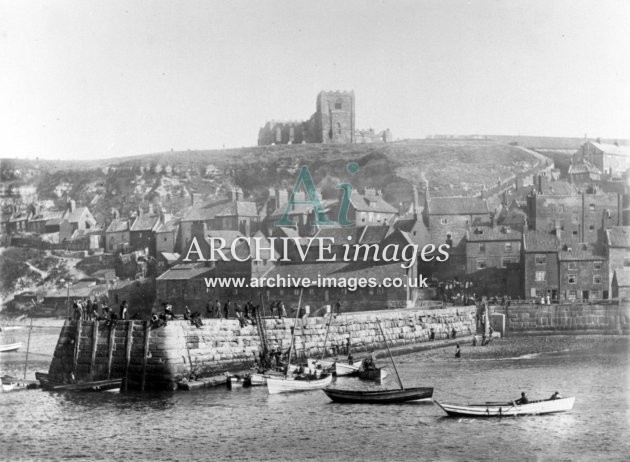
(327,330)
(297,314)
(390,354)
(28,345)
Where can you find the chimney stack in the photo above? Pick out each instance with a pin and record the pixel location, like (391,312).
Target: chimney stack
(416,201)
(139,211)
(150,208)
(72,205)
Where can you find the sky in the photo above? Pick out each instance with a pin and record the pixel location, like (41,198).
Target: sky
(92,79)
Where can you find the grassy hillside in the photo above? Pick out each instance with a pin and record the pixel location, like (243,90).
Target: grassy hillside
(452,167)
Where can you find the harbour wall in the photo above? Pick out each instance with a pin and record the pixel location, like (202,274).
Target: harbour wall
(159,358)
(603,317)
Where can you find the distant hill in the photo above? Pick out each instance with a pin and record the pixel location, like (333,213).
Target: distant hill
(452,167)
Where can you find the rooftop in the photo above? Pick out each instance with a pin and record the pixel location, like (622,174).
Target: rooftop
(618,236)
(457,206)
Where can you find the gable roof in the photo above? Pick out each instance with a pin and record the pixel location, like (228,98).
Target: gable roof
(370,203)
(183,271)
(539,241)
(210,210)
(144,223)
(75,216)
(118,225)
(579,252)
(612,148)
(457,206)
(47,215)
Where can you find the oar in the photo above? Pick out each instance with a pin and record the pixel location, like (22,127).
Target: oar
(390,355)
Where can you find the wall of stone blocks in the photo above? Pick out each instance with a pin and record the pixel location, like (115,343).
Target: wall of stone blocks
(179,350)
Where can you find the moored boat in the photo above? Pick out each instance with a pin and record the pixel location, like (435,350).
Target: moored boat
(378,396)
(8,347)
(10,383)
(290,384)
(496,409)
(342,369)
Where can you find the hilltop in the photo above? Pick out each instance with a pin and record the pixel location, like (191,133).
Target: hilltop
(452,167)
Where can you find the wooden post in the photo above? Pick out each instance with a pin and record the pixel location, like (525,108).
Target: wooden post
(128,356)
(94,346)
(297,313)
(28,346)
(110,353)
(147,335)
(77,343)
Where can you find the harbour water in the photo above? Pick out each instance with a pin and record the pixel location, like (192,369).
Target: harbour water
(249,424)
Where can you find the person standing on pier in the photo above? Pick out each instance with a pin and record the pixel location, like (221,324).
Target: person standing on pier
(123,310)
(282,310)
(209,309)
(226,309)
(217,308)
(338,307)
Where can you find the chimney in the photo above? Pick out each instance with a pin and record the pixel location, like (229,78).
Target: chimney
(416,204)
(493,219)
(558,232)
(116,214)
(162,220)
(72,205)
(139,211)
(150,208)
(192,198)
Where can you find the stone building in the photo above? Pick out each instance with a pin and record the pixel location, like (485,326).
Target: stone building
(449,218)
(142,232)
(617,250)
(583,217)
(582,273)
(332,122)
(539,259)
(492,247)
(117,235)
(75,219)
(610,159)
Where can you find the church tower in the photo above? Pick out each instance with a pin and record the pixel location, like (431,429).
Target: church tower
(335,117)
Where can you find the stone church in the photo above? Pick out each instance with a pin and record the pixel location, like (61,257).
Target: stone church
(332,123)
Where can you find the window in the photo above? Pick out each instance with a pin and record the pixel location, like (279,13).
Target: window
(560,208)
(575,233)
(591,227)
(281,291)
(596,294)
(540,293)
(597,265)
(296,291)
(575,218)
(443,221)
(482,248)
(541,276)
(481,263)
(572,294)
(344,291)
(371,291)
(573,265)
(379,290)
(311,291)
(338,104)
(591,207)
(597,279)
(338,128)
(541,259)
(572,278)
(507,247)
(506,261)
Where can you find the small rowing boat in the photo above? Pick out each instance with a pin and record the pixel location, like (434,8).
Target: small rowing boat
(8,347)
(289,384)
(494,409)
(342,369)
(378,396)
(10,383)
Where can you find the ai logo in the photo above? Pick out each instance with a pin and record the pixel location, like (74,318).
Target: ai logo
(313,199)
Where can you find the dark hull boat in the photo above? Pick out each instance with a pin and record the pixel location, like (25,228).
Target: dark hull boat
(379,396)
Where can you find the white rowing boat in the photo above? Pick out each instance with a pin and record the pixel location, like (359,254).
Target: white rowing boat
(7,347)
(347,369)
(548,406)
(290,384)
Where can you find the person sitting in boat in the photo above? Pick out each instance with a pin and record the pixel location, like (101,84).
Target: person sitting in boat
(523,399)
(350,359)
(556,395)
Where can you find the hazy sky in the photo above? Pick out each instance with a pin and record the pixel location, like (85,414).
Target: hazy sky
(83,78)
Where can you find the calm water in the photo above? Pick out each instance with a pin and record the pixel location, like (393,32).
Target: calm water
(248,424)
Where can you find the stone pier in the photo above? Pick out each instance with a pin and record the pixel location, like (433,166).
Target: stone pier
(158,358)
